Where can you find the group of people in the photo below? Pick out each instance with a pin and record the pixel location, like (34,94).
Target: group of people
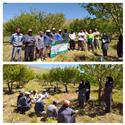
(26,99)
(38,47)
(83,93)
(106,97)
(64,114)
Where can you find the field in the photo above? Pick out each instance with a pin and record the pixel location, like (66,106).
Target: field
(91,113)
(70,56)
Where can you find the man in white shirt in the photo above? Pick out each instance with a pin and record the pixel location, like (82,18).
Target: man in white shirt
(39,46)
(72,42)
(81,40)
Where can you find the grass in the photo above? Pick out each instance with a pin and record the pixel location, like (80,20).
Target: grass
(70,56)
(91,113)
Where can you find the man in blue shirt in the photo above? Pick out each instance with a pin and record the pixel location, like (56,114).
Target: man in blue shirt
(66,114)
(16,41)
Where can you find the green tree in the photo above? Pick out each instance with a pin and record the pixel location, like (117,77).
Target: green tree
(98,73)
(36,20)
(68,76)
(107,11)
(19,74)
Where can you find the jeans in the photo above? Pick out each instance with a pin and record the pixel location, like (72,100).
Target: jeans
(16,50)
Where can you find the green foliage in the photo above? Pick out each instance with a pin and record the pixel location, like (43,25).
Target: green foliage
(36,20)
(19,74)
(107,26)
(113,11)
(98,73)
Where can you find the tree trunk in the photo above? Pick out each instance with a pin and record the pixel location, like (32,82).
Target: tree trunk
(9,88)
(66,88)
(99,91)
(74,83)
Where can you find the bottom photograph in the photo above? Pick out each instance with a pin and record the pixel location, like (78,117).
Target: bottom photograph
(63,93)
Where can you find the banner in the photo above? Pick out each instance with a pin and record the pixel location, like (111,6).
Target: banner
(58,47)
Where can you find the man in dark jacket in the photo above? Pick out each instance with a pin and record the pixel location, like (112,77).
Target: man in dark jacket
(21,104)
(66,114)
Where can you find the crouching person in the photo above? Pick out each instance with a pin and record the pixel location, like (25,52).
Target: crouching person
(52,110)
(22,105)
(39,107)
(66,114)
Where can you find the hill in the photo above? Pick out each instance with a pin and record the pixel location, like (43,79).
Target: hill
(39,69)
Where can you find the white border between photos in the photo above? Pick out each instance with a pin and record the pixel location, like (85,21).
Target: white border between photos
(55,1)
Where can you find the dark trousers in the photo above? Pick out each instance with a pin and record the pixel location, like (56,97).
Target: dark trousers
(108,102)
(72,45)
(23,109)
(80,45)
(87,96)
(29,53)
(104,52)
(96,44)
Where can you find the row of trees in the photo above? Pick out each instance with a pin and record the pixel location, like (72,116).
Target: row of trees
(36,20)
(107,17)
(104,26)
(96,74)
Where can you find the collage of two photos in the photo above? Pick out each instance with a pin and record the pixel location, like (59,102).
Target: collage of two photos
(57,62)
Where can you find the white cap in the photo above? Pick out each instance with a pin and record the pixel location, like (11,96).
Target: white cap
(48,31)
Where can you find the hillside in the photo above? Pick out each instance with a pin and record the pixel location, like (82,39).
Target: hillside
(39,69)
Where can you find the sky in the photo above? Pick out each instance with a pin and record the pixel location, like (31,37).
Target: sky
(52,65)
(70,10)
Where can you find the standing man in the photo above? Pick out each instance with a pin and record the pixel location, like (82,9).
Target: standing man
(29,41)
(108,93)
(90,40)
(59,35)
(53,33)
(48,38)
(105,41)
(81,40)
(16,41)
(72,41)
(96,39)
(40,46)
(66,114)
(65,35)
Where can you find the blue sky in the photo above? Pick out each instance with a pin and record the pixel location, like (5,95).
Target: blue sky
(52,65)
(70,10)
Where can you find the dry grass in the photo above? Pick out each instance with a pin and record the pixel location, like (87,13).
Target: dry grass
(70,56)
(91,113)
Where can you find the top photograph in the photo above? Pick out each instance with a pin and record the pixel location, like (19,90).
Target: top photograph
(62,32)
